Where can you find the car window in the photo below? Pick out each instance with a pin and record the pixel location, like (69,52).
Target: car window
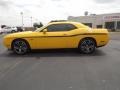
(70,26)
(60,27)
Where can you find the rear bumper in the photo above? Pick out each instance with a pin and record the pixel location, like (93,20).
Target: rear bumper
(100,46)
(103,43)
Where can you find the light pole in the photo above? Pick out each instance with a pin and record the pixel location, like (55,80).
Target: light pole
(22,19)
(31,21)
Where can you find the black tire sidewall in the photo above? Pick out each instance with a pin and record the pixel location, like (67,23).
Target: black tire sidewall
(22,41)
(79,47)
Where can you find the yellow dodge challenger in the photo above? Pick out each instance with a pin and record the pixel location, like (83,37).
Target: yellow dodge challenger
(57,35)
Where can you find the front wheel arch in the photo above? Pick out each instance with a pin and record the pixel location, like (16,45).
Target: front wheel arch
(22,40)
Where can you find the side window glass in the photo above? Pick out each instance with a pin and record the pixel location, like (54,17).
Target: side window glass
(52,28)
(71,27)
(60,27)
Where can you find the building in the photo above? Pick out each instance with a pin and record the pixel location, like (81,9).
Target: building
(109,21)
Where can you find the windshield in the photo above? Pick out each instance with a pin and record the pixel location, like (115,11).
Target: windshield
(40,29)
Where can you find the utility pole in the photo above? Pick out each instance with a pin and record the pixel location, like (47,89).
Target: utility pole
(22,19)
(31,21)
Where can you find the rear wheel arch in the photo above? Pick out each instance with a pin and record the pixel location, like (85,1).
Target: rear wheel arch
(88,38)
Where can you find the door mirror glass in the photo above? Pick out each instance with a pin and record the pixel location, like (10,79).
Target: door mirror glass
(44,31)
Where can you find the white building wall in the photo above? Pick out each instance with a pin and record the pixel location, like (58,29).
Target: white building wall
(96,19)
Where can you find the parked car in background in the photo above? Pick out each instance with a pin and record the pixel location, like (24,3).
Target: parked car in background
(0,30)
(8,29)
(20,29)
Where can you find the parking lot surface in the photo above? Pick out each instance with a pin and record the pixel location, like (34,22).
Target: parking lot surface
(62,69)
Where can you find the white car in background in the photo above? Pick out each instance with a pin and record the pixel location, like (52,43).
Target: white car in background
(8,30)
(0,30)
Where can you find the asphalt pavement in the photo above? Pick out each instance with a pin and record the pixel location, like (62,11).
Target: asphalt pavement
(62,69)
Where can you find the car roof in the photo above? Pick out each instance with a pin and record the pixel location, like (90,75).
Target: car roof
(78,24)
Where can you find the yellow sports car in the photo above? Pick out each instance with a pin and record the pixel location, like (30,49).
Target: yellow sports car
(57,35)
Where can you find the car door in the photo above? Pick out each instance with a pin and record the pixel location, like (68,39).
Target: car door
(57,36)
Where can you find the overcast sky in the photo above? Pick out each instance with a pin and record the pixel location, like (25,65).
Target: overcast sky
(47,10)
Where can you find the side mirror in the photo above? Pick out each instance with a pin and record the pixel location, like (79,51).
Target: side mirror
(44,31)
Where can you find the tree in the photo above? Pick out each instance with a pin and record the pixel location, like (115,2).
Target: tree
(41,24)
(37,25)
(2,26)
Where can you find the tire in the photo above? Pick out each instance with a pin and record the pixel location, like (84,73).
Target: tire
(13,31)
(87,46)
(20,47)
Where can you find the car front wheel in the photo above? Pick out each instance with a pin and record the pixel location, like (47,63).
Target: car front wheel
(87,46)
(20,47)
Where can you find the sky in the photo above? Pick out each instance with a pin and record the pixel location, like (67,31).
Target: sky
(47,10)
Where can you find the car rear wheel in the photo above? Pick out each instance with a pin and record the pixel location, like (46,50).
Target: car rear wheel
(87,46)
(20,47)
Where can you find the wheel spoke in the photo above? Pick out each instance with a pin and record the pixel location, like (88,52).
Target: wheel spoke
(20,50)
(88,49)
(87,46)
(23,48)
(15,47)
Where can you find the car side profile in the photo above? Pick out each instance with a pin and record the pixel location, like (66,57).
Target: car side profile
(57,35)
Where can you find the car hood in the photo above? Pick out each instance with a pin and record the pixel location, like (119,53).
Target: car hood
(20,34)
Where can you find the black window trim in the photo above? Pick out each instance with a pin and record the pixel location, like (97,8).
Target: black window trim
(60,24)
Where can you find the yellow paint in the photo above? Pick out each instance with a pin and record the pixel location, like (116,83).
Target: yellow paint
(41,39)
